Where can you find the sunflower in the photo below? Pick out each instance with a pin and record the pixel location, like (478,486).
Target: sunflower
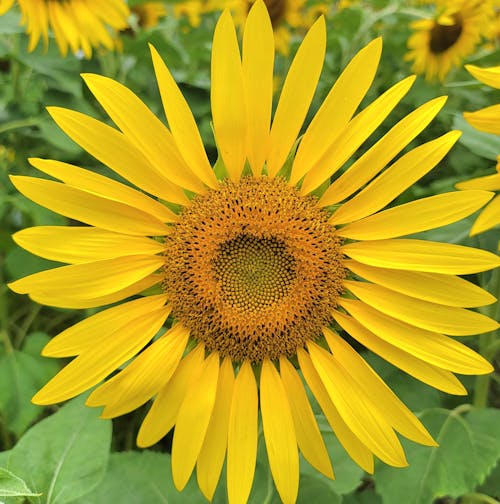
(149,13)
(257,268)
(77,24)
(487,120)
(444,40)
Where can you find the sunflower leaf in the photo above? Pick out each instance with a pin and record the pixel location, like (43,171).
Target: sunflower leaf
(468,451)
(13,486)
(65,455)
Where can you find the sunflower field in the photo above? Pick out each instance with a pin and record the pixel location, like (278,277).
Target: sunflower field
(249,251)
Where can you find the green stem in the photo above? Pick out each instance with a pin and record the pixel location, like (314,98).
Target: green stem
(19,123)
(488,344)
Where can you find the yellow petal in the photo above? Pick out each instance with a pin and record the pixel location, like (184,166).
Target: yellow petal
(388,404)
(228,97)
(111,147)
(309,438)
(213,451)
(89,208)
(489,76)
(5,5)
(417,216)
(82,244)
(242,436)
(487,119)
(143,129)
(436,287)
(182,123)
(356,408)
(419,369)
(422,255)
(487,183)
(354,134)
(337,108)
(193,419)
(92,331)
(423,314)
(162,415)
(377,157)
(90,279)
(61,301)
(392,182)
(488,218)
(258,64)
(143,377)
(296,95)
(97,362)
(279,433)
(429,346)
(353,446)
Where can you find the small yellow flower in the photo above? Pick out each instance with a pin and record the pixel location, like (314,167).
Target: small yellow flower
(258,270)
(487,120)
(442,41)
(149,13)
(76,24)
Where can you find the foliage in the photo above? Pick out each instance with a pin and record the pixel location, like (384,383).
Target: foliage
(68,454)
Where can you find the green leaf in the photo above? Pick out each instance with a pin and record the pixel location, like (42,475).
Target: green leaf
(141,477)
(22,374)
(362,496)
(469,449)
(65,455)
(13,486)
(483,144)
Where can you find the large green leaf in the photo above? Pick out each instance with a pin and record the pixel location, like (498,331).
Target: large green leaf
(469,449)
(65,455)
(13,486)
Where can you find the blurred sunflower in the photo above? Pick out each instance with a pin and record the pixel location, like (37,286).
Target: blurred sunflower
(77,24)
(487,120)
(149,13)
(256,268)
(444,40)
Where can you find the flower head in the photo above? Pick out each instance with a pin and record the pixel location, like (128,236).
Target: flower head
(442,41)
(487,120)
(260,269)
(76,24)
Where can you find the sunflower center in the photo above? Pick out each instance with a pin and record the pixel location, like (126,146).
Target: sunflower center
(253,269)
(442,37)
(276,9)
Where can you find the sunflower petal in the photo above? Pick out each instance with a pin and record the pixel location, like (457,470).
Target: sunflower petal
(423,314)
(213,451)
(227,97)
(392,182)
(422,255)
(486,119)
(377,157)
(143,129)
(337,108)
(417,216)
(111,147)
(488,218)
(279,433)
(419,369)
(296,95)
(89,208)
(82,244)
(162,415)
(360,414)
(193,419)
(487,183)
(143,377)
(91,331)
(309,438)
(489,76)
(182,123)
(353,446)
(97,362)
(242,436)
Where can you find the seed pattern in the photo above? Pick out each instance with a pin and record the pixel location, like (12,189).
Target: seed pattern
(253,269)
(442,37)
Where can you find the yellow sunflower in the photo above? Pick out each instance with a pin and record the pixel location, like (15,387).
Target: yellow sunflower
(444,40)
(487,120)
(77,24)
(257,270)
(149,13)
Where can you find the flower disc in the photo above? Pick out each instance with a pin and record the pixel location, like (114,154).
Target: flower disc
(253,269)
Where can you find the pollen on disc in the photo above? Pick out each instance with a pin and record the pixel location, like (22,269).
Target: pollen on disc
(253,269)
